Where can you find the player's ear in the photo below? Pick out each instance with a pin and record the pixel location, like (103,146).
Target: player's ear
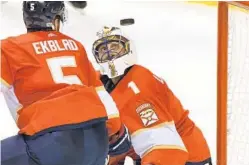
(57,24)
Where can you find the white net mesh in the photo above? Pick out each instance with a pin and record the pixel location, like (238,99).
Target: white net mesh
(238,87)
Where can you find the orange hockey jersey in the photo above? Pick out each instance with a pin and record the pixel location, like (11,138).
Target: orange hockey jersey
(48,81)
(161,131)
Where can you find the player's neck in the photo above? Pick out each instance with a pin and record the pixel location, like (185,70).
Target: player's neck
(39,29)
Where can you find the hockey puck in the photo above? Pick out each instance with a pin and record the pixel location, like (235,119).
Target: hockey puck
(128,21)
(79,4)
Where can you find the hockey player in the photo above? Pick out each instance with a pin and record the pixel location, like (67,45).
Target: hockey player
(49,86)
(161,131)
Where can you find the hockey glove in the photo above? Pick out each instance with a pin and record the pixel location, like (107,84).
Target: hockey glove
(120,142)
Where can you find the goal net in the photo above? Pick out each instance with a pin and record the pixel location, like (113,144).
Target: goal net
(233,84)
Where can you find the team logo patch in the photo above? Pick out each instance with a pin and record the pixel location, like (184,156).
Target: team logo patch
(147,114)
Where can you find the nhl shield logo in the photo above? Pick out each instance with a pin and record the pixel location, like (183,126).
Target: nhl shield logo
(147,114)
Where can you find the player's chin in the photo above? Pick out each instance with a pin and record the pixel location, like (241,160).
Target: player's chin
(114,160)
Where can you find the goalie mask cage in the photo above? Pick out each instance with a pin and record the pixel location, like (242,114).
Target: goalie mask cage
(233,84)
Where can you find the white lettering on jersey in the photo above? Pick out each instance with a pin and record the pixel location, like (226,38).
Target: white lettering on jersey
(54,45)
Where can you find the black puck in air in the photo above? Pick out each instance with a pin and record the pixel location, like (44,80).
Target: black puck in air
(128,21)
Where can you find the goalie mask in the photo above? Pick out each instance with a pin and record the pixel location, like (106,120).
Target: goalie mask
(113,52)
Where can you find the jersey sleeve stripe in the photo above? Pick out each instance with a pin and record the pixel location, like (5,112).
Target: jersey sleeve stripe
(113,116)
(154,127)
(163,136)
(18,109)
(100,88)
(165,147)
(12,102)
(110,106)
(3,82)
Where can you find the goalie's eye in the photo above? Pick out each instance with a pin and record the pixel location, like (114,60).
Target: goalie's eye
(102,50)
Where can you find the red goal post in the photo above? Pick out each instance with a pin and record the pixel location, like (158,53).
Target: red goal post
(222,77)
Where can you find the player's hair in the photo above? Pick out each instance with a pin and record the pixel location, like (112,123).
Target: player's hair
(40,15)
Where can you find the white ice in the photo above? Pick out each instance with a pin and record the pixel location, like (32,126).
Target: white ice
(176,40)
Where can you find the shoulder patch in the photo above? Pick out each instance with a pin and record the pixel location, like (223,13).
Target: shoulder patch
(147,114)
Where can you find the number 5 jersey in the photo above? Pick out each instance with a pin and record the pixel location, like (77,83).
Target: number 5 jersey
(48,81)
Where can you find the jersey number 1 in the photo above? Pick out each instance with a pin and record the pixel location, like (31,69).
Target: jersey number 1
(134,87)
(56,64)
